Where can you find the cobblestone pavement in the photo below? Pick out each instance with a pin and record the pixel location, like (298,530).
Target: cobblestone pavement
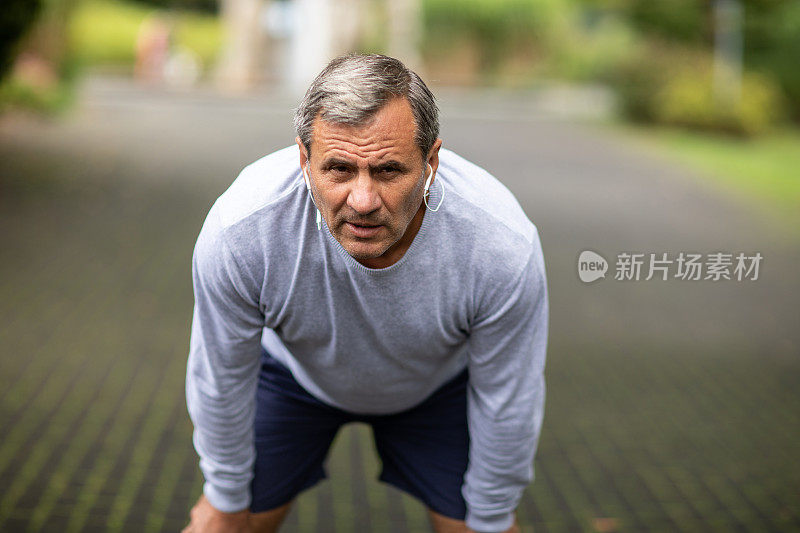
(672,405)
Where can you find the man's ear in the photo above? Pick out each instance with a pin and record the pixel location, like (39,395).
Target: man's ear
(303,152)
(433,157)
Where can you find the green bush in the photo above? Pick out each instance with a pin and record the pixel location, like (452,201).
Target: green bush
(200,33)
(44,68)
(590,46)
(498,28)
(104,32)
(16,20)
(680,20)
(513,41)
(18,94)
(207,6)
(672,85)
(638,78)
(772,44)
(688,100)
(770,31)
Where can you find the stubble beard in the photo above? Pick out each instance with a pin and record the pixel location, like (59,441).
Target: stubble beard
(395,234)
(355,246)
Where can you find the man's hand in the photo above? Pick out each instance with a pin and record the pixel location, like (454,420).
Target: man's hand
(205,518)
(444,524)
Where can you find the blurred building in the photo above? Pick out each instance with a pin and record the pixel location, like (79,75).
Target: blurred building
(287,42)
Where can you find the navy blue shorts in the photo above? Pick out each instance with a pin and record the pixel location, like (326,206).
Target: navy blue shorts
(424,450)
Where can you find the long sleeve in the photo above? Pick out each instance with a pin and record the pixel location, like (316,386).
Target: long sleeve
(222,369)
(506,396)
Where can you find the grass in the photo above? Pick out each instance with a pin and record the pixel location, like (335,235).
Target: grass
(103,32)
(764,171)
(16,93)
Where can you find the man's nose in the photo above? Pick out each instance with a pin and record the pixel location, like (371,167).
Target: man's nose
(363,198)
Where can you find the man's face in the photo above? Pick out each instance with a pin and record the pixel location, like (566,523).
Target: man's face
(368,181)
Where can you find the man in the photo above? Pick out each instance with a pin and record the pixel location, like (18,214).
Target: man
(367,275)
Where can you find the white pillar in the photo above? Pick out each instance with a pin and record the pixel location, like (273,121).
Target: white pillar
(312,44)
(240,67)
(404,21)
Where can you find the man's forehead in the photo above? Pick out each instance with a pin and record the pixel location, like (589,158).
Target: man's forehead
(390,130)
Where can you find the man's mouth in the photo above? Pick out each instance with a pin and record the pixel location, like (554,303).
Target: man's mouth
(363,231)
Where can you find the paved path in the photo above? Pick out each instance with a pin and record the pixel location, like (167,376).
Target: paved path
(662,396)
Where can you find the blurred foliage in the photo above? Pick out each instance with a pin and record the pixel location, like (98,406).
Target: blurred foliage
(104,32)
(772,44)
(673,84)
(589,46)
(640,47)
(42,69)
(687,21)
(17,18)
(688,100)
(72,34)
(771,33)
(513,41)
(205,6)
(16,93)
(494,28)
(202,34)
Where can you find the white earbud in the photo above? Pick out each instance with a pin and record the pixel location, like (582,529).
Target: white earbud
(308,186)
(305,177)
(430,177)
(427,187)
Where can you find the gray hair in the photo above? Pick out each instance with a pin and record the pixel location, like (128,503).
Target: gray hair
(354,87)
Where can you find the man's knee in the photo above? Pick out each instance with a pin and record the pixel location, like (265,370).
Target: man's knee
(269,521)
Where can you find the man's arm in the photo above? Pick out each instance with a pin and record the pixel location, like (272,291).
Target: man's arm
(506,395)
(222,369)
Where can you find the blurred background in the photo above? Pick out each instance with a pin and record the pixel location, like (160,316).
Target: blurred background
(622,126)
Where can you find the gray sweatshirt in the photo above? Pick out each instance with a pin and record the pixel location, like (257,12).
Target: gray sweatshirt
(471,291)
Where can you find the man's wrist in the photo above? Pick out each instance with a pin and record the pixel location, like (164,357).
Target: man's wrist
(226,501)
(490,523)
(205,518)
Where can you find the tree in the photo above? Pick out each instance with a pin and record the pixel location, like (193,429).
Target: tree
(18,17)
